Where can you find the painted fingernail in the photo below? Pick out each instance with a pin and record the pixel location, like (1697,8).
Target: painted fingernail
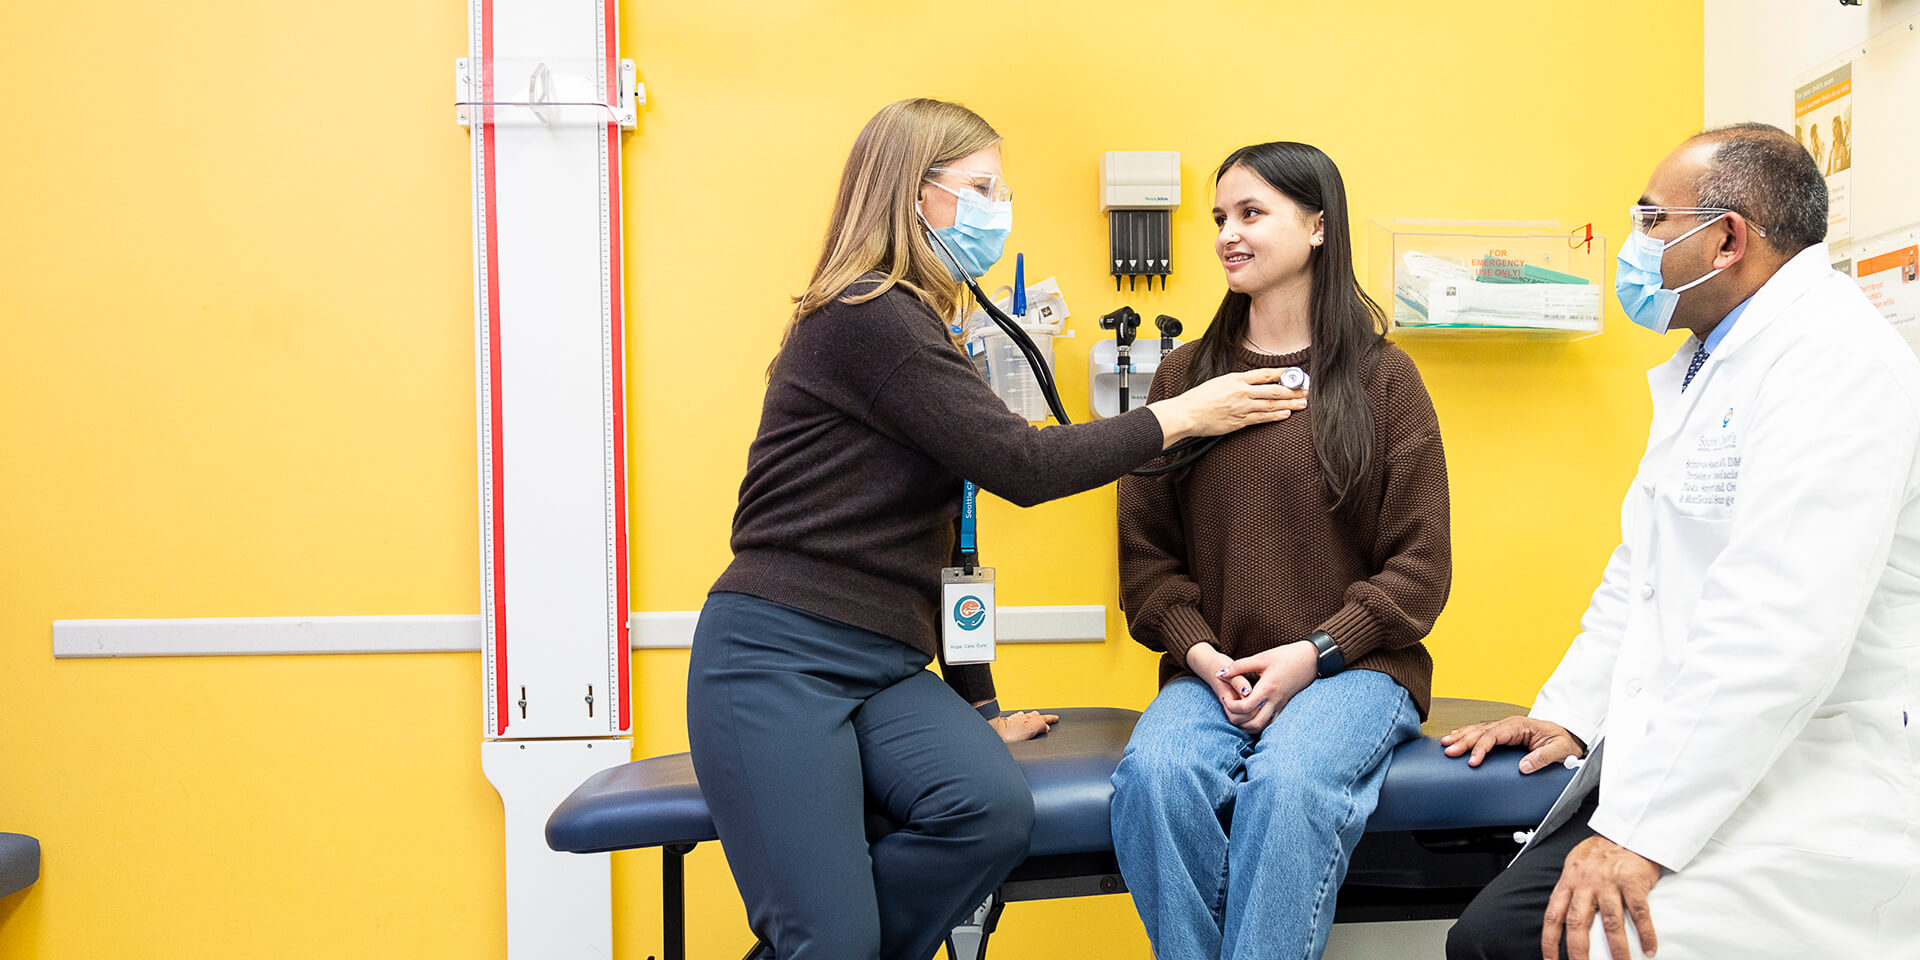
(1222,673)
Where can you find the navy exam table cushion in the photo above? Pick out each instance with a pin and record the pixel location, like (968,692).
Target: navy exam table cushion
(657,802)
(19,862)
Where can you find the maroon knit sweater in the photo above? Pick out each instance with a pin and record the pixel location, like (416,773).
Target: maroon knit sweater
(1243,550)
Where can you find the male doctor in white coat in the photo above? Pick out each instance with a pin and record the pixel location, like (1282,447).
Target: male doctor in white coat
(1747,675)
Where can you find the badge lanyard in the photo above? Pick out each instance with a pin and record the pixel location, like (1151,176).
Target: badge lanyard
(966,594)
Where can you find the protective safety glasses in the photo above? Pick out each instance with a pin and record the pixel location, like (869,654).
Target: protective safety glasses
(990,186)
(1646,216)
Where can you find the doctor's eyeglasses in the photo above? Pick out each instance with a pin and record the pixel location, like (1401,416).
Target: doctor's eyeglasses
(990,186)
(1647,216)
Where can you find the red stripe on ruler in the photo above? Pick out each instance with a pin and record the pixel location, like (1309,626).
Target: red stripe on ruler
(616,305)
(608,13)
(618,353)
(499,519)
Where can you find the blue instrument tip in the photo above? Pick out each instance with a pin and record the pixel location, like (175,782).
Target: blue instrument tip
(1019,284)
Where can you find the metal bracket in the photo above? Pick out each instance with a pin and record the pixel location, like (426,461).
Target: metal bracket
(968,941)
(539,97)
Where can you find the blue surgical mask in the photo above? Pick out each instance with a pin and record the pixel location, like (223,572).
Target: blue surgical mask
(978,236)
(1638,284)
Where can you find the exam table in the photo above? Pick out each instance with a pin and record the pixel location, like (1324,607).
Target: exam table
(1441,831)
(19,862)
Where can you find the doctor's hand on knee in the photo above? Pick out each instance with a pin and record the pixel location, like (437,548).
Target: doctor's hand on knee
(1548,742)
(1278,674)
(1025,725)
(1605,880)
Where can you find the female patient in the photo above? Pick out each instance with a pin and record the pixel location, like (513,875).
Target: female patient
(1289,577)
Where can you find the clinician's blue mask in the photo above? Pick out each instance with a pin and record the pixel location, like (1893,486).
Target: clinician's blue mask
(1638,284)
(978,236)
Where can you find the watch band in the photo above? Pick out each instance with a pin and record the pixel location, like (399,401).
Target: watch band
(1330,658)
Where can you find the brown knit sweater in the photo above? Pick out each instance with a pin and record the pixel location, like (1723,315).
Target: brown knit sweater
(1243,551)
(852,490)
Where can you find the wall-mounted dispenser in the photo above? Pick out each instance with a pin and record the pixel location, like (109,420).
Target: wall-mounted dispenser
(1138,191)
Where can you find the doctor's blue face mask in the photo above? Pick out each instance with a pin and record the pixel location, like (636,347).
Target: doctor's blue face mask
(1637,280)
(981,223)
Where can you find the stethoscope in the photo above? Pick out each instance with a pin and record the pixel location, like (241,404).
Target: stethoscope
(1178,457)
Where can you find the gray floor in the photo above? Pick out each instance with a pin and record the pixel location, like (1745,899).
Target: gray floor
(1414,940)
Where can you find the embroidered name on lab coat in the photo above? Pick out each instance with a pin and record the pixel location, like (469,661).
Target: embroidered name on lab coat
(1713,473)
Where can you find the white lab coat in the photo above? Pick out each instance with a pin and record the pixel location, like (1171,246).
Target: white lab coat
(1752,654)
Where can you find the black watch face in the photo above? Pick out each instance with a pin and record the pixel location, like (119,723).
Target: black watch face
(1331,660)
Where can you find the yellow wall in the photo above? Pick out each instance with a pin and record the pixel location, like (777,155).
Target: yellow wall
(236,380)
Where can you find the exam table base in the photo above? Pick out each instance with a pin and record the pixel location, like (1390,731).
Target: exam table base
(1397,876)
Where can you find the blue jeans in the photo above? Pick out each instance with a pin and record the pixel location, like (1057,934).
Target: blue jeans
(1294,800)
(800,726)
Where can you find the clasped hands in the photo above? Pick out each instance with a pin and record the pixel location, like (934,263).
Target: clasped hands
(1253,689)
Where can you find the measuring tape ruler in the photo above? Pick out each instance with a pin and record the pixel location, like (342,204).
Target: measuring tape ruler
(547,264)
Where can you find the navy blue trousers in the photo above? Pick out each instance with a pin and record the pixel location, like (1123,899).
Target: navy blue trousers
(799,726)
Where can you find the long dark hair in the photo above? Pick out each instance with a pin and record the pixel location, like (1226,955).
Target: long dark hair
(1347,327)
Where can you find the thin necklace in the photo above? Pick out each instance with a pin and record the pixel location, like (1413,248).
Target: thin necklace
(1255,344)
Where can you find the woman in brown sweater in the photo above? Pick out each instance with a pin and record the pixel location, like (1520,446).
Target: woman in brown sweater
(1289,577)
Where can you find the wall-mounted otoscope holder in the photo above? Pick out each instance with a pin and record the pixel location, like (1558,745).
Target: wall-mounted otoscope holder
(1138,191)
(1112,377)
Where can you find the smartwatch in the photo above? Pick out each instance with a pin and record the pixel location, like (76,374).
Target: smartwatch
(1332,661)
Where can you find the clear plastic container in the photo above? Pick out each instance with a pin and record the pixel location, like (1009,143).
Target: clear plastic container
(1484,278)
(1006,369)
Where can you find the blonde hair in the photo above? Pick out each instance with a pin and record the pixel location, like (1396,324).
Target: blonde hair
(874,227)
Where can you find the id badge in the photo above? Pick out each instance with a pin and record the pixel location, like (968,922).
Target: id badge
(966,615)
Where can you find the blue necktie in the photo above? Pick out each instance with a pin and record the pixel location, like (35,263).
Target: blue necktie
(1693,366)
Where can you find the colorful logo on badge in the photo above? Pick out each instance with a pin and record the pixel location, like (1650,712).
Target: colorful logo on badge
(969,613)
(1726,419)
